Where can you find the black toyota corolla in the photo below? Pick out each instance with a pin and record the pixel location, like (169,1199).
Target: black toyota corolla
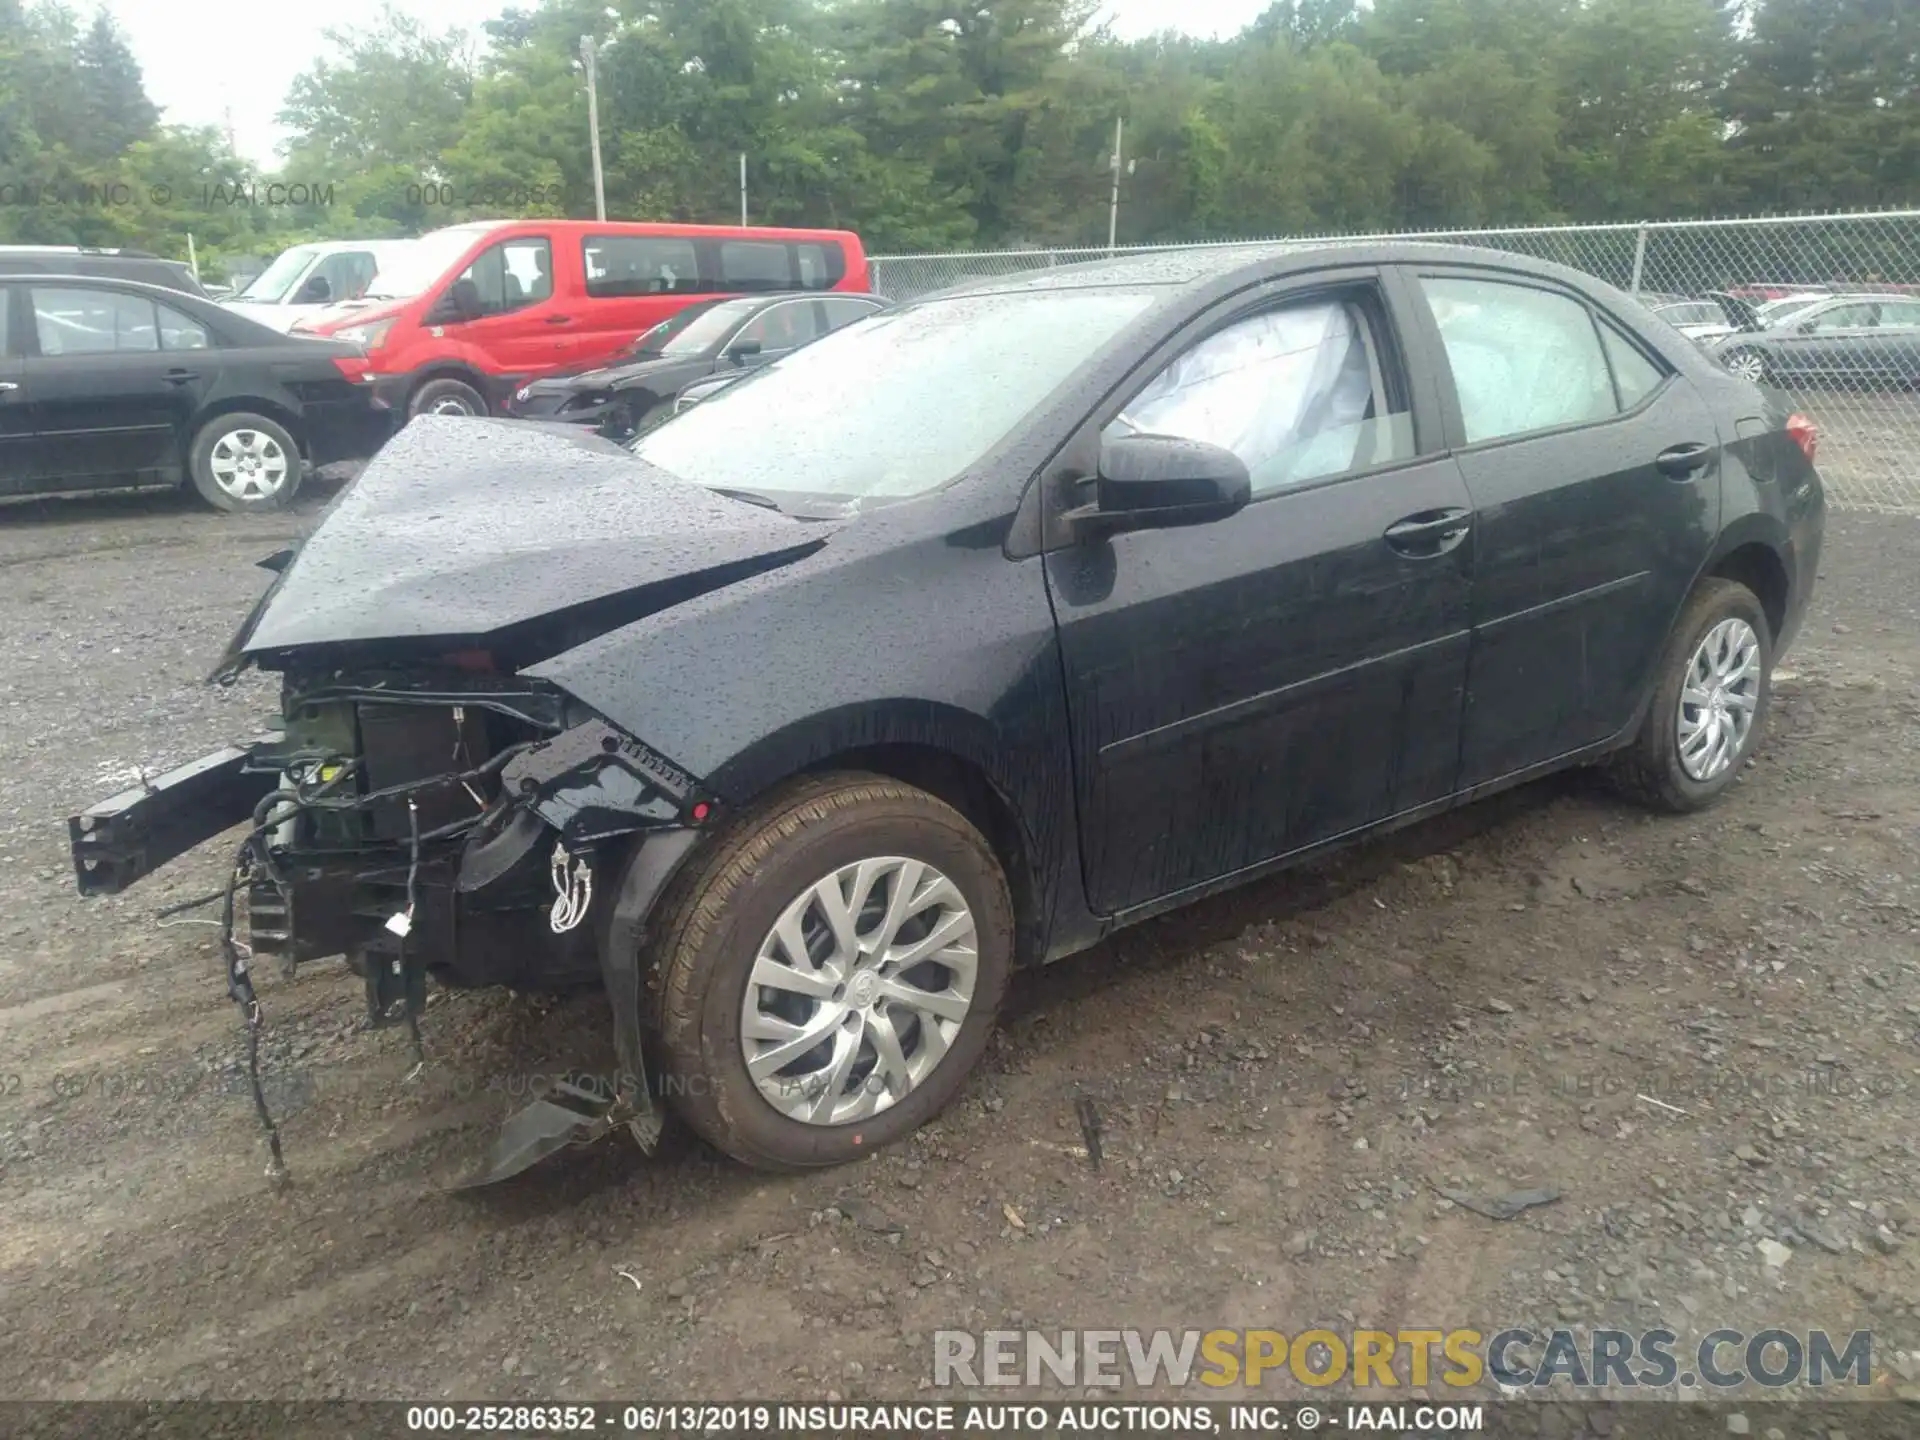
(971,633)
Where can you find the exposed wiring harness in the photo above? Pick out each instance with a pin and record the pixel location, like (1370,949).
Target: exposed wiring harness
(256,852)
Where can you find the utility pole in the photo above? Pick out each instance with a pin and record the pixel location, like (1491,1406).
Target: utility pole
(593,127)
(743,189)
(1113,206)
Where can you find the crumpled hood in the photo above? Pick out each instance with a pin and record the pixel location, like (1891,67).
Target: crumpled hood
(461,527)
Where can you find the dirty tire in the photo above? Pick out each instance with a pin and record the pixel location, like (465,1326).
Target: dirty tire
(1649,770)
(203,465)
(447,397)
(722,905)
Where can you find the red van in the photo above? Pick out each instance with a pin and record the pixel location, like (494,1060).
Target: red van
(469,313)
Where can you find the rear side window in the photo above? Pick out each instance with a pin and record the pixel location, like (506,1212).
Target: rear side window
(1846,317)
(750,265)
(845,312)
(347,273)
(820,267)
(178,332)
(1523,359)
(1634,375)
(1296,392)
(624,265)
(93,322)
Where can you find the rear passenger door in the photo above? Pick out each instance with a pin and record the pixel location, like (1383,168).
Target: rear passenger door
(1594,472)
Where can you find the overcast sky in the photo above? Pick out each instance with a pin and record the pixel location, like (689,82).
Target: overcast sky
(217,57)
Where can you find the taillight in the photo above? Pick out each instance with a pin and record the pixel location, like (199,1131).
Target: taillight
(354,367)
(1803,432)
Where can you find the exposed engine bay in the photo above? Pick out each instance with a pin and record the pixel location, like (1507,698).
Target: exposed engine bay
(463,826)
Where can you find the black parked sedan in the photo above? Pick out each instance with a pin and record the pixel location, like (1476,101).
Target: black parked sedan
(113,384)
(1061,601)
(1867,340)
(715,338)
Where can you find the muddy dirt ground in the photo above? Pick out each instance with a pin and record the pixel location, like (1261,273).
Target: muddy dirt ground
(1284,1077)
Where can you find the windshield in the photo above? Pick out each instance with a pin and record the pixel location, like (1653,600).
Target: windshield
(707,329)
(272,284)
(422,264)
(894,406)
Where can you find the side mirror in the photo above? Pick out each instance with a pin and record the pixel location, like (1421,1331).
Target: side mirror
(743,350)
(316,291)
(461,302)
(1159,480)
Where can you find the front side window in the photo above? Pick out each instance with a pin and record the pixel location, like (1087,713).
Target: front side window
(347,274)
(781,327)
(626,265)
(1296,392)
(93,322)
(511,275)
(898,405)
(275,283)
(1523,358)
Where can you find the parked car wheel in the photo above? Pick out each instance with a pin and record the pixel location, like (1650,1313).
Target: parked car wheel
(244,462)
(828,972)
(447,397)
(1748,365)
(1716,681)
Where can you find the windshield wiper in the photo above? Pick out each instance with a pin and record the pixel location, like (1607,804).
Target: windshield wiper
(752,497)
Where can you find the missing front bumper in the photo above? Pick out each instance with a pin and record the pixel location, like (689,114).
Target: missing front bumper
(127,836)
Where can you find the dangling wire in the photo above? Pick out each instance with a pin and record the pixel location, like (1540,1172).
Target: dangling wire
(240,988)
(413,892)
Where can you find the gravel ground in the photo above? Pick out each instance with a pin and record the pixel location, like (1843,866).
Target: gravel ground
(1285,1078)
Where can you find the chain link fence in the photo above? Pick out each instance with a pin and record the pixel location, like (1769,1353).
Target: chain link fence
(1827,308)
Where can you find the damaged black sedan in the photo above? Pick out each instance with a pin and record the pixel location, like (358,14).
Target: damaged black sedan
(968,634)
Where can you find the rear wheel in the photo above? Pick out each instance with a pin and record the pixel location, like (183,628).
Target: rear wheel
(829,971)
(244,462)
(447,397)
(1709,705)
(1748,365)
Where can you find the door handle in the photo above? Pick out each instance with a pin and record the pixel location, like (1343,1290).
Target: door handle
(1430,532)
(559,319)
(181,377)
(6,385)
(1681,461)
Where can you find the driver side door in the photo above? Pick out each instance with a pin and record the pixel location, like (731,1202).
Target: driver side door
(1252,687)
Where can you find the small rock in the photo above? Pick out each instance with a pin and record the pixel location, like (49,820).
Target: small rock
(1737,1425)
(1298,1243)
(924,1278)
(677,1290)
(510,1365)
(1499,1007)
(1774,1253)
(1750,1155)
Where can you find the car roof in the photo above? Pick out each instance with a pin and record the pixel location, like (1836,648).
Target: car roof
(1229,267)
(199,307)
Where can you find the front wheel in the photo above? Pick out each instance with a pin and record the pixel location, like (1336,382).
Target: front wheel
(828,971)
(1709,703)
